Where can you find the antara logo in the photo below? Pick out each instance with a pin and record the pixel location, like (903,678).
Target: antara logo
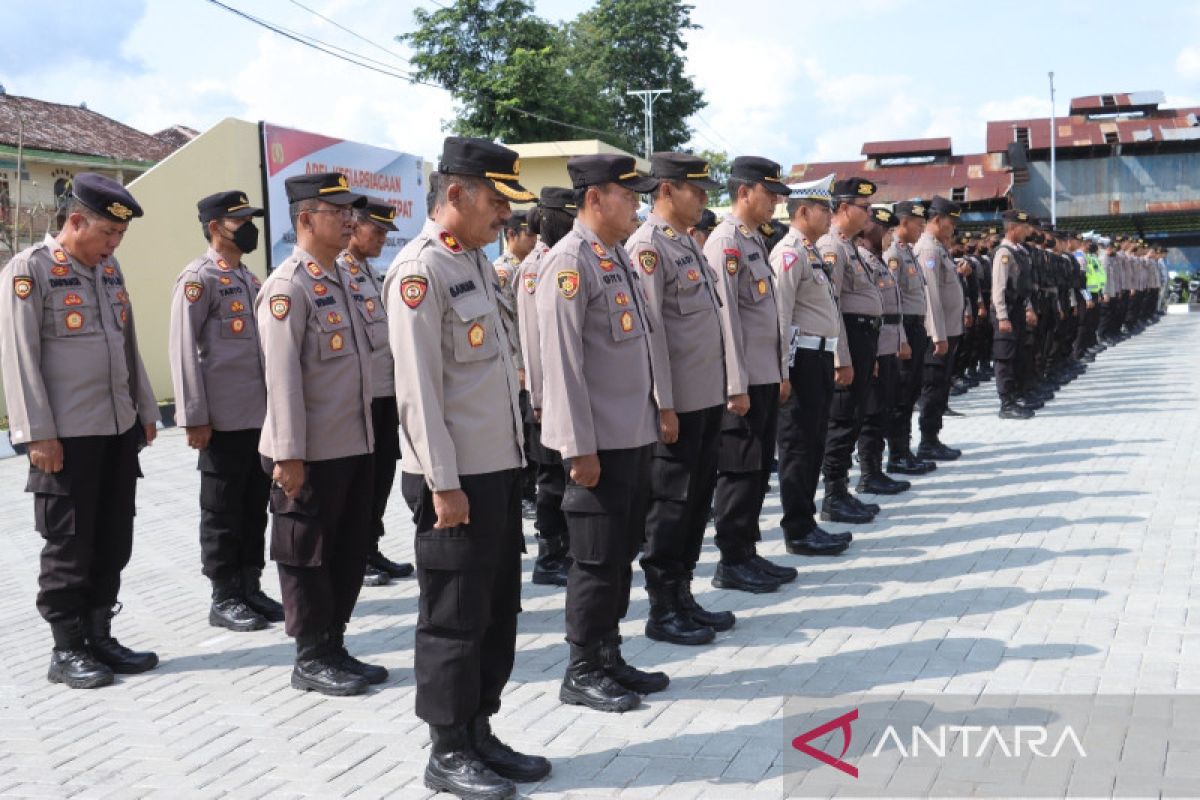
(842,723)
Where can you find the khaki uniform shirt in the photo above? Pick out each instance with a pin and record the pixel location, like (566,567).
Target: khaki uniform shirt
(852,285)
(318,363)
(507,271)
(891,334)
(749,311)
(909,277)
(456,384)
(62,348)
(526,280)
(369,301)
(216,359)
(807,306)
(686,342)
(597,386)
(944,310)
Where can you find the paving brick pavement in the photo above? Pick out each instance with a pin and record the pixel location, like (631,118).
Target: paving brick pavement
(1059,555)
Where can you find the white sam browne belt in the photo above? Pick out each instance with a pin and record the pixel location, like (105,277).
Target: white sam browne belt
(800,341)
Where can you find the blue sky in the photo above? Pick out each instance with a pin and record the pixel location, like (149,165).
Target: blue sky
(793,81)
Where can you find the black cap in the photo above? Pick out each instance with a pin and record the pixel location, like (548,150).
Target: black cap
(518,220)
(682,167)
(708,221)
(105,196)
(882,215)
(608,168)
(480,158)
(557,197)
(912,208)
(233,203)
(940,206)
(759,170)
(1016,215)
(328,187)
(850,188)
(380,213)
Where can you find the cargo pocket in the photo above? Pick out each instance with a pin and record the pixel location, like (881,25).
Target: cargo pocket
(448,549)
(590,521)
(297,536)
(740,450)
(53,508)
(1004,347)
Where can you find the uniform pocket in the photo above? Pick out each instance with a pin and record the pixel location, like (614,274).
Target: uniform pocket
(474,339)
(75,321)
(53,508)
(448,549)
(692,298)
(237,327)
(296,540)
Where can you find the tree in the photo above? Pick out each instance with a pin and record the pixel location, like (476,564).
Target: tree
(718,168)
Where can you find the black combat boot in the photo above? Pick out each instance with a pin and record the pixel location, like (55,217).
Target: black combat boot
(1011,409)
(97,629)
(372,673)
(932,449)
(839,506)
(456,768)
(552,562)
(772,570)
(668,622)
(374,576)
(318,671)
(717,620)
(230,610)
(502,759)
(71,662)
(873,479)
(586,683)
(257,599)
(395,569)
(744,577)
(817,542)
(633,679)
(901,460)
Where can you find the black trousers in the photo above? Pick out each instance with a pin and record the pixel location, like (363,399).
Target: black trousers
(385,419)
(683,477)
(935,388)
(549,520)
(849,404)
(607,525)
(803,425)
(744,455)
(470,582)
(319,542)
(233,505)
(1006,352)
(881,399)
(84,512)
(911,375)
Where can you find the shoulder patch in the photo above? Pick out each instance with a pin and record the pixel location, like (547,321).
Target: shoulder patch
(450,242)
(193,291)
(530,280)
(788,259)
(648,260)
(732,257)
(22,286)
(281,304)
(1003,259)
(568,283)
(413,289)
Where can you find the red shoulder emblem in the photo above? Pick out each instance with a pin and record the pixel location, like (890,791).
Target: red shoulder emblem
(450,242)
(22,286)
(280,305)
(193,291)
(789,260)
(649,261)
(732,259)
(412,290)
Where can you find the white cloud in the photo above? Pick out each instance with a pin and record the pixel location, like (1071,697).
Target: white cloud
(1187,63)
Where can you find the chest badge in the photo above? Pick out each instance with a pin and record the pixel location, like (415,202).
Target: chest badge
(693,275)
(762,286)
(110,270)
(74,321)
(72,299)
(59,270)
(333,318)
(336,342)
(476,335)
(621,299)
(225,280)
(606,264)
(237,325)
(320,289)
(530,280)
(370,305)
(237,307)
(626,321)
(599,250)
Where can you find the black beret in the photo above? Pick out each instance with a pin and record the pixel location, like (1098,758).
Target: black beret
(480,158)
(850,188)
(233,203)
(881,215)
(518,220)
(912,208)
(759,170)
(608,168)
(329,187)
(557,197)
(105,196)
(682,167)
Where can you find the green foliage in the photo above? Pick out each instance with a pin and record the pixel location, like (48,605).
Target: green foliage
(718,167)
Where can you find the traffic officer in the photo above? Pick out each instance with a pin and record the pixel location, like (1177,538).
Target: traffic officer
(220,401)
(854,358)
(910,278)
(689,389)
(519,240)
(372,224)
(318,437)
(1012,308)
(753,355)
(892,347)
(598,411)
(810,324)
(550,220)
(943,323)
(80,403)
(457,390)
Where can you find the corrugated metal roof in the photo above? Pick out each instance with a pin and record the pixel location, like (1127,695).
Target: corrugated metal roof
(73,129)
(1080,131)
(981,177)
(907,147)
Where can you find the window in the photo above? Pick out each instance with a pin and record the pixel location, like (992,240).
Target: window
(959,194)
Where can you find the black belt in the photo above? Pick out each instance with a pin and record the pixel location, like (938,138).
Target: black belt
(891,319)
(917,318)
(862,319)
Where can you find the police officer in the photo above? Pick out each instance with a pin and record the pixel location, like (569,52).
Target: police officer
(598,411)
(80,402)
(1012,308)
(911,215)
(372,223)
(753,355)
(689,389)
(220,401)
(704,228)
(810,324)
(943,323)
(518,243)
(892,347)
(457,390)
(318,435)
(854,359)
(550,220)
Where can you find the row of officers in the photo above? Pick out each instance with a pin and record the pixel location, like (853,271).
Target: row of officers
(649,371)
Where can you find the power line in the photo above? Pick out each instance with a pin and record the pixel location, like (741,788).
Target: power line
(353,33)
(716,132)
(544,118)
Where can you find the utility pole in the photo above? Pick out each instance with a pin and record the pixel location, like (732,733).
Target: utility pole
(1053,158)
(648,97)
